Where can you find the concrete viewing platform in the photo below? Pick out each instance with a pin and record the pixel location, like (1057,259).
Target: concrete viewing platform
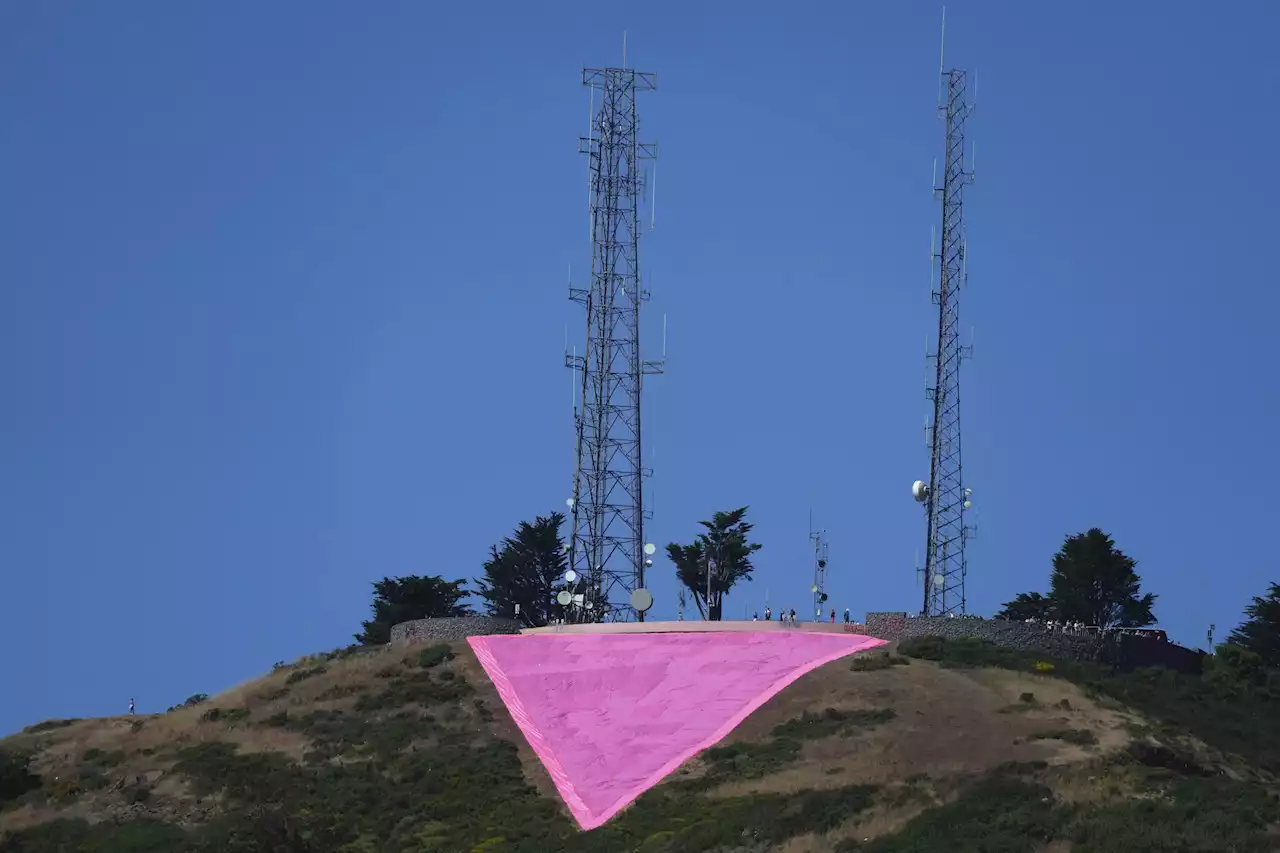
(695,627)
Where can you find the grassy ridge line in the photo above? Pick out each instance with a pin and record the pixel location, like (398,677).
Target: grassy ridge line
(410,767)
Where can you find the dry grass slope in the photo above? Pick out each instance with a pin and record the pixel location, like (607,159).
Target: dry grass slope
(410,749)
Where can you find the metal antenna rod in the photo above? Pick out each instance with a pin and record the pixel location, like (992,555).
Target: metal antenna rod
(946,535)
(606,546)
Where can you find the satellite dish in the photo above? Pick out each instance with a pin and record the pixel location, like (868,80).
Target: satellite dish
(968,504)
(563,598)
(590,605)
(939,580)
(823,597)
(813,588)
(648,563)
(569,503)
(570,576)
(919,491)
(822,564)
(650,549)
(641,600)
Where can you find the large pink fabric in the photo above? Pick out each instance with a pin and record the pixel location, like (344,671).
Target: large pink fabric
(610,715)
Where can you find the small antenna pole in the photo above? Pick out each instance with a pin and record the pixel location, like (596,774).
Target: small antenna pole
(653,199)
(942,55)
(819,589)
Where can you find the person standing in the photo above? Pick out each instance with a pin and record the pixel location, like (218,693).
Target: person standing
(130,704)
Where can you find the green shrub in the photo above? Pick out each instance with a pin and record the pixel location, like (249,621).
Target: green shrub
(100,759)
(810,726)
(16,778)
(871,663)
(303,674)
(229,715)
(419,688)
(433,656)
(50,725)
(341,691)
(1079,737)
(924,648)
(750,760)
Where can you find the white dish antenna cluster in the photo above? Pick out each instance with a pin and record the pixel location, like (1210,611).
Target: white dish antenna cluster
(920,491)
(641,599)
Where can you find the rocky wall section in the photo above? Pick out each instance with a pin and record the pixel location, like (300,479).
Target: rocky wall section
(1017,635)
(1124,651)
(450,630)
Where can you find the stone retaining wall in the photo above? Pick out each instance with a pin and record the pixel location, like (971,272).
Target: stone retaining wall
(1017,635)
(450,630)
(1125,651)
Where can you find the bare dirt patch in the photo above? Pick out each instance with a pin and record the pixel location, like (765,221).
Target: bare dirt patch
(1062,705)
(946,723)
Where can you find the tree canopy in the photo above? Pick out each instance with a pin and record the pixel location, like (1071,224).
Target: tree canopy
(1092,582)
(526,570)
(398,600)
(1028,605)
(723,548)
(1260,632)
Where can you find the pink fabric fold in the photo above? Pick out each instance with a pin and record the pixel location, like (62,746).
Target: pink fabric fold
(611,715)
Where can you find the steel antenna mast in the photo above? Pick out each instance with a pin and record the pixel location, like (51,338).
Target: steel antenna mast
(607,546)
(945,497)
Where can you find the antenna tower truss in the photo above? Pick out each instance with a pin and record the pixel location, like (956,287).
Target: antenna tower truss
(947,534)
(819,540)
(606,548)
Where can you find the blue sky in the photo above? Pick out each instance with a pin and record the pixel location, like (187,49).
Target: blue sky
(284,302)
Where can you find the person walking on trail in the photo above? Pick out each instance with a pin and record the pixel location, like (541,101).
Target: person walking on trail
(130,704)
(846,616)
(768,614)
(833,616)
(755,617)
(793,616)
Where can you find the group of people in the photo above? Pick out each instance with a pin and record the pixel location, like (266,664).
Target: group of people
(1077,628)
(788,617)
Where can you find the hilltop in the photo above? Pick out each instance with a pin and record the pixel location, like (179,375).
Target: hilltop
(906,748)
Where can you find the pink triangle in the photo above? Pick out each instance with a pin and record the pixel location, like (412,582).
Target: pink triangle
(610,715)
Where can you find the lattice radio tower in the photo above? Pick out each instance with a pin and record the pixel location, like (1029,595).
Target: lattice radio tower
(945,497)
(607,547)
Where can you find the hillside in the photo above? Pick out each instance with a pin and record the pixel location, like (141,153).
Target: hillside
(915,748)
